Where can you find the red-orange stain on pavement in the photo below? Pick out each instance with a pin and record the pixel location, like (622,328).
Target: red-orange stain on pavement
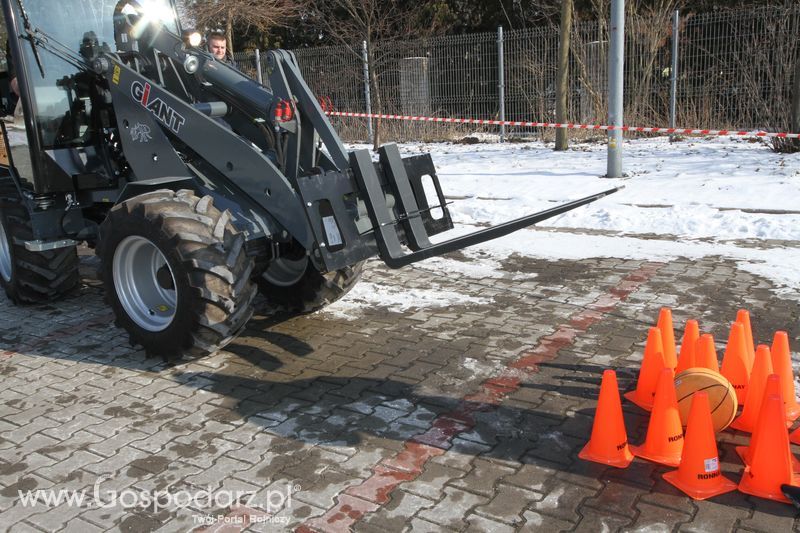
(383,481)
(408,464)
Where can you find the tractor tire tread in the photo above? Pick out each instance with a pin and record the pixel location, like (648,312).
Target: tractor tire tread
(216,268)
(38,277)
(313,291)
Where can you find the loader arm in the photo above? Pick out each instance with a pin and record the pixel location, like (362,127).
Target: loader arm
(340,206)
(177,109)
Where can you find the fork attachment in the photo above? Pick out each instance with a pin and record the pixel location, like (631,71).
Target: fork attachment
(400,220)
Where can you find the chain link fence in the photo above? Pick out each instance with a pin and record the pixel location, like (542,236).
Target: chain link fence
(734,72)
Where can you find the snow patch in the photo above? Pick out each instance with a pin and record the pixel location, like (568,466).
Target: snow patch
(400,299)
(697,195)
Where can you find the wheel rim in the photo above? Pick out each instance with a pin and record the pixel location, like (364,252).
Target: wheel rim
(5,254)
(285,272)
(136,266)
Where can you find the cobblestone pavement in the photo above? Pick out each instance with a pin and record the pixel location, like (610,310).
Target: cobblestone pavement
(462,418)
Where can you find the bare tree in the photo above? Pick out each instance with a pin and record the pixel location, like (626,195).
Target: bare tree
(562,88)
(791,146)
(242,15)
(352,22)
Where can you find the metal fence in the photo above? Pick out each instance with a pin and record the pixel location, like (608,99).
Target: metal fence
(734,71)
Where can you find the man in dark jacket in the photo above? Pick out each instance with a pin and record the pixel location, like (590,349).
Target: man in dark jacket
(218,46)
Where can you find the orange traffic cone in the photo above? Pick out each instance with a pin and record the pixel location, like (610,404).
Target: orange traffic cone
(773,388)
(652,364)
(690,335)
(743,317)
(782,365)
(705,353)
(609,441)
(667,337)
(699,475)
(664,441)
(771,466)
(794,436)
(762,367)
(734,363)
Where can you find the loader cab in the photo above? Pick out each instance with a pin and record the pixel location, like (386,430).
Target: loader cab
(63,121)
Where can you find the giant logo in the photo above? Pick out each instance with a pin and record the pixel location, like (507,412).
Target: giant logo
(143,94)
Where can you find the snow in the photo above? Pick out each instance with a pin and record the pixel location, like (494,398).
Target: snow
(367,294)
(729,197)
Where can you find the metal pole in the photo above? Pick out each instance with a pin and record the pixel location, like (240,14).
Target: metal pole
(673,92)
(258,67)
(616,69)
(501,85)
(367,97)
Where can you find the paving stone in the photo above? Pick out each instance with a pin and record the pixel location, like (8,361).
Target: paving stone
(593,520)
(11,471)
(122,459)
(461,454)
(769,516)
(22,527)
(562,501)
(202,453)
(508,503)
(318,401)
(29,427)
(453,508)
(323,489)
(618,498)
(664,494)
(57,518)
(10,504)
(716,515)
(535,522)
(294,515)
(654,518)
(481,524)
(64,469)
(424,526)
(533,476)
(111,446)
(431,483)
(394,516)
(483,478)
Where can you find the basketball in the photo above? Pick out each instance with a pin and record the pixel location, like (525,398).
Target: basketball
(721,395)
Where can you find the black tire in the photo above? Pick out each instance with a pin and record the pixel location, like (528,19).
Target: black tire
(208,299)
(309,290)
(30,277)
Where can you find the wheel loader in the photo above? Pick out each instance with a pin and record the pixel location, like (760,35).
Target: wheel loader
(198,187)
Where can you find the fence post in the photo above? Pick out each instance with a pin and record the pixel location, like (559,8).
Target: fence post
(673,92)
(367,97)
(258,67)
(616,81)
(501,85)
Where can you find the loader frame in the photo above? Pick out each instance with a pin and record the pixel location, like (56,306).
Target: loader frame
(197,184)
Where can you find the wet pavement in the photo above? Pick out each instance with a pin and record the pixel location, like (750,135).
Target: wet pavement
(462,417)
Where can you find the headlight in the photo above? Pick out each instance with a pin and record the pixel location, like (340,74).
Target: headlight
(157,10)
(147,12)
(190,64)
(192,38)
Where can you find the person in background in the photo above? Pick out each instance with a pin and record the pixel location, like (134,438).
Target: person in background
(218,46)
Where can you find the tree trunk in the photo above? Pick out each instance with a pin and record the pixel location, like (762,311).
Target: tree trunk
(791,146)
(376,97)
(796,96)
(229,31)
(562,88)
